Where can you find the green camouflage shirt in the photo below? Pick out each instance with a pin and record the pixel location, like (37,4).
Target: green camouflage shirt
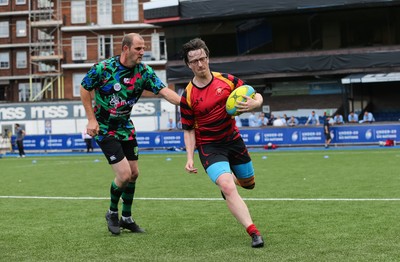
(117,89)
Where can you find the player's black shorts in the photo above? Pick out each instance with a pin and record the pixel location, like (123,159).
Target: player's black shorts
(115,150)
(234,152)
(328,136)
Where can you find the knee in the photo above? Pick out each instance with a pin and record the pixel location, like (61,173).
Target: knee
(227,187)
(134,175)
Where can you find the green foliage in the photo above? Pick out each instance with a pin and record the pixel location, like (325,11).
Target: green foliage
(328,205)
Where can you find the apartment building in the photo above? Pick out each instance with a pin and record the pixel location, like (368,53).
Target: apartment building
(47,46)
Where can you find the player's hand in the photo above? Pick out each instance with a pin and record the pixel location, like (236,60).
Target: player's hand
(92,128)
(190,167)
(247,106)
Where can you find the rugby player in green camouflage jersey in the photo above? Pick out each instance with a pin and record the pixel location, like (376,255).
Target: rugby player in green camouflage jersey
(116,84)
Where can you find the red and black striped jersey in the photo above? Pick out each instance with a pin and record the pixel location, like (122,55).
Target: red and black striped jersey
(204,109)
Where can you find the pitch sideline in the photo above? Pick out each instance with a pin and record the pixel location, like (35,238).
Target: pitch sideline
(203,199)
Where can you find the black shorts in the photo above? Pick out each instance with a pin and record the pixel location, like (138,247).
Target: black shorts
(328,136)
(115,150)
(234,152)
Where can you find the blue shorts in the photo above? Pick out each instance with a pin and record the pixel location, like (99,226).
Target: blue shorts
(226,157)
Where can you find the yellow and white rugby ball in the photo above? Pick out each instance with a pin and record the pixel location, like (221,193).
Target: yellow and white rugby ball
(237,96)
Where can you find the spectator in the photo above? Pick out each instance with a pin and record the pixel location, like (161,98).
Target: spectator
(313,119)
(271,120)
(171,124)
(238,121)
(88,141)
(253,122)
(279,122)
(338,119)
(20,132)
(262,120)
(292,121)
(368,117)
(352,118)
(327,131)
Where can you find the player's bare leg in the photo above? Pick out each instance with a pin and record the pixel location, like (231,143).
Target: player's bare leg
(238,207)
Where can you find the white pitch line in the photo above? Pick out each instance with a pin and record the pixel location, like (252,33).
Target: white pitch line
(203,199)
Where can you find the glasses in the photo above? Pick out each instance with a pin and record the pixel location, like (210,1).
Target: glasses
(196,61)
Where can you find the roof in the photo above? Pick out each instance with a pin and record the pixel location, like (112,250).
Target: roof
(167,11)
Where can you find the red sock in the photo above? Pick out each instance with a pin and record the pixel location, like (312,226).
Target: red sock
(252,229)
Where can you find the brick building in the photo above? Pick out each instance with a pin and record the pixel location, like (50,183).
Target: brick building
(47,46)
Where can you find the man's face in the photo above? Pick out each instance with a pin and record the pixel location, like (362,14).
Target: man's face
(135,52)
(198,62)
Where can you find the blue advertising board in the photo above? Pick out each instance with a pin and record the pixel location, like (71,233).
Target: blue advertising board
(289,136)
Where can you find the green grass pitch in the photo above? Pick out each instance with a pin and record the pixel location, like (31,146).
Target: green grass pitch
(316,205)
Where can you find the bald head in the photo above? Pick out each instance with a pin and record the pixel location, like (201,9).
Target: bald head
(130,38)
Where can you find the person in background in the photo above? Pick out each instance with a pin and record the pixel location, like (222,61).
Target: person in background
(88,141)
(279,121)
(253,121)
(117,84)
(313,119)
(292,121)
(171,124)
(238,121)
(20,135)
(208,128)
(368,117)
(285,117)
(352,118)
(338,119)
(262,121)
(271,119)
(327,131)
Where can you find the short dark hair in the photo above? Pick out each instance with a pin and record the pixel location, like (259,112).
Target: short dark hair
(194,44)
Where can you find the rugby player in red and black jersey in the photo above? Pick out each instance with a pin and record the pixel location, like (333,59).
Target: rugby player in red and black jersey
(208,127)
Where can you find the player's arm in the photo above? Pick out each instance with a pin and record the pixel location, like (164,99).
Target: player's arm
(190,143)
(170,95)
(251,104)
(93,125)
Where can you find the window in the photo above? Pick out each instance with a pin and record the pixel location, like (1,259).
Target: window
(78,12)
(79,48)
(4,29)
(21,59)
(76,84)
(21,28)
(104,12)
(45,4)
(4,60)
(3,2)
(105,46)
(158,46)
(20,2)
(26,92)
(131,10)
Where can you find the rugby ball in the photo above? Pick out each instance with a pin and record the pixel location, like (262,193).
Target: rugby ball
(237,96)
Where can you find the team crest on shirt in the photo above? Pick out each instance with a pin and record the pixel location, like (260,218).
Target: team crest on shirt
(115,100)
(117,87)
(219,91)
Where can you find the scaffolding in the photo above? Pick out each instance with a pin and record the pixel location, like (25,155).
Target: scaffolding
(45,50)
